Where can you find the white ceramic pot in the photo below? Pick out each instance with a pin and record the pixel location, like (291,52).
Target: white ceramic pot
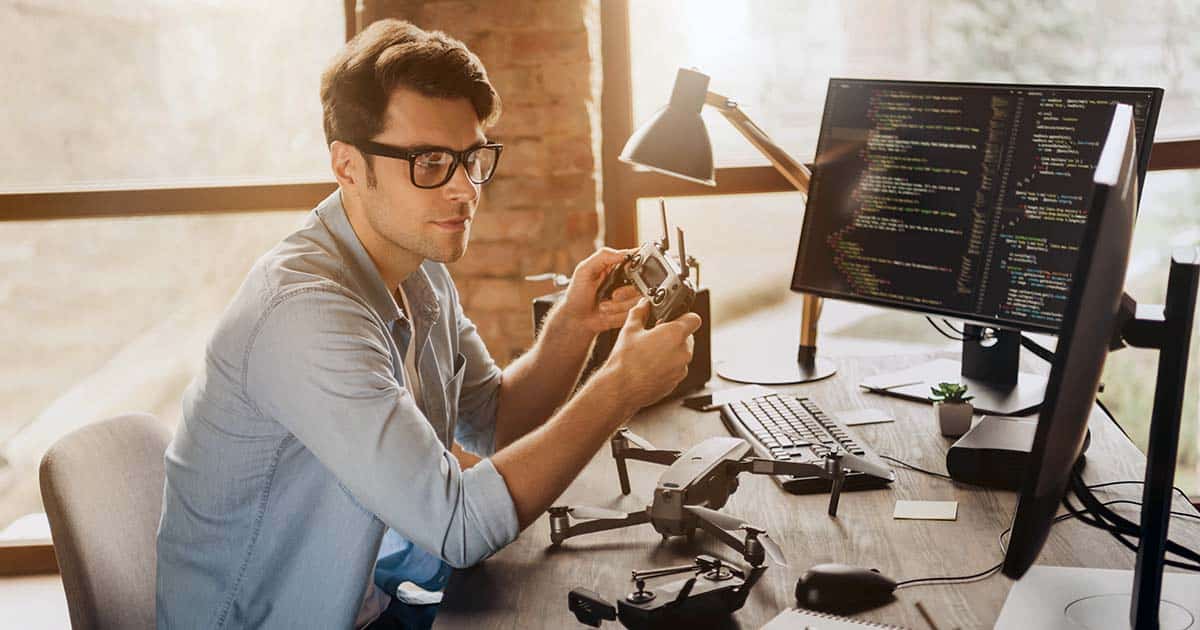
(954,419)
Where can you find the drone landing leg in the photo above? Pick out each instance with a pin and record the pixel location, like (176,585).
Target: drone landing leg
(838,478)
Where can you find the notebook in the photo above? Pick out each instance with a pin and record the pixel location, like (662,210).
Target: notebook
(800,619)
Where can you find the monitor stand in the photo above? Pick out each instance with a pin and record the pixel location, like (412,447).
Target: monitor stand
(989,368)
(1071,597)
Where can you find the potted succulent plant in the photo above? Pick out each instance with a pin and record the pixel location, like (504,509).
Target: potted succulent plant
(953,408)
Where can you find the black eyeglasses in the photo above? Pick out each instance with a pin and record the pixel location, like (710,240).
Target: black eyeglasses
(433,167)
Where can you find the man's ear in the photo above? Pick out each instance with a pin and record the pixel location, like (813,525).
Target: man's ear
(346,163)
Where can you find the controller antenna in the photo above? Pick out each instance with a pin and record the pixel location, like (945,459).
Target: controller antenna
(664,244)
(683,273)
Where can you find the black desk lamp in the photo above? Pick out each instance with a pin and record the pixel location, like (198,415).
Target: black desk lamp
(675,142)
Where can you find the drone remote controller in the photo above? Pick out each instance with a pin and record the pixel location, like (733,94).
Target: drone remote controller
(657,277)
(715,591)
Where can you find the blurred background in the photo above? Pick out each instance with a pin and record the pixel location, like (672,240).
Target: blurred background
(100,316)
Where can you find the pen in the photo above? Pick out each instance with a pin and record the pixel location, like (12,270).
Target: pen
(925,615)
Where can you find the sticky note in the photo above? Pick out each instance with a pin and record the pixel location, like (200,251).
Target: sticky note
(854,417)
(927,510)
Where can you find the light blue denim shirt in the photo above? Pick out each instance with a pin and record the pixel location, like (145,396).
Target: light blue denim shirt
(300,443)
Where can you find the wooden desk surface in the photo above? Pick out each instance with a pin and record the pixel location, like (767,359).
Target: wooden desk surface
(526,584)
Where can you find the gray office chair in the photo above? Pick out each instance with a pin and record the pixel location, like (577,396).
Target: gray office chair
(102,486)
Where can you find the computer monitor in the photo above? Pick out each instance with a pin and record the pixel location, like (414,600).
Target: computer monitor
(1085,333)
(962,200)
(1056,597)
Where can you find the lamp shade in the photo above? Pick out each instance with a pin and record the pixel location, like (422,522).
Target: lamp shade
(675,141)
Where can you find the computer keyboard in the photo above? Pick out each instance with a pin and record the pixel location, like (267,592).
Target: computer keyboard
(792,428)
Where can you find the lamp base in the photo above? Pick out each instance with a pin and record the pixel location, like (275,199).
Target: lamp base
(772,369)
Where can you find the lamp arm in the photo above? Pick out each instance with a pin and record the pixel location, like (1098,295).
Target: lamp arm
(795,172)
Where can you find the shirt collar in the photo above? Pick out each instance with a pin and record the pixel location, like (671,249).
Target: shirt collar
(362,269)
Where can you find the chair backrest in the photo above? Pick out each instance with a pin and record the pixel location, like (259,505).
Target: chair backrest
(102,486)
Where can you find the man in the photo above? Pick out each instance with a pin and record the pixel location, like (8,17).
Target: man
(345,393)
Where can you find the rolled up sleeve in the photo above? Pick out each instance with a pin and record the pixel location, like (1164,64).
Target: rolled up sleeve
(319,364)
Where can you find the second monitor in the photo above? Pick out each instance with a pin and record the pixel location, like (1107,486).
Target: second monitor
(963,200)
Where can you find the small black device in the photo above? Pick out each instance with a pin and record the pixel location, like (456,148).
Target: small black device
(788,428)
(716,591)
(843,589)
(699,370)
(668,285)
(995,452)
(657,276)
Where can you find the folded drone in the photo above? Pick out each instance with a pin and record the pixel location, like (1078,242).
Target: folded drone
(697,483)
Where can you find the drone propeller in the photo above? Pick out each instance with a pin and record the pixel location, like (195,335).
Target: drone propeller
(864,465)
(589,512)
(730,522)
(637,440)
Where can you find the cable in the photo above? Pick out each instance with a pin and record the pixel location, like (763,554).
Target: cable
(964,578)
(1113,419)
(961,333)
(1098,486)
(1194,517)
(1093,512)
(942,332)
(1119,526)
(1040,351)
(1058,519)
(911,467)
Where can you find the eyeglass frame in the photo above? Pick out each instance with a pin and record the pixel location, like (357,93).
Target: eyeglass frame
(370,147)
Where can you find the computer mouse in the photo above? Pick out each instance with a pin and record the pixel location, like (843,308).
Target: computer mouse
(841,589)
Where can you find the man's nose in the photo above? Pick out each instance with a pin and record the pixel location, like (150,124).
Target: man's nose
(460,188)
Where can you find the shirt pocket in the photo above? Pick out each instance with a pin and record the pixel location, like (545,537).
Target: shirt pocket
(452,390)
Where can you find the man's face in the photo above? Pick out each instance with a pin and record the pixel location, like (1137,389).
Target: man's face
(434,224)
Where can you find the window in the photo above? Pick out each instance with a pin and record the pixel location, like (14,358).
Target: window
(775,59)
(146,108)
(132,94)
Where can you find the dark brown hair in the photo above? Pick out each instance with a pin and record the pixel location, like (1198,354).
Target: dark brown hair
(392,54)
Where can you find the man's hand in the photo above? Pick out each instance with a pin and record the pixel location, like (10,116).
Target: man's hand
(648,364)
(581,305)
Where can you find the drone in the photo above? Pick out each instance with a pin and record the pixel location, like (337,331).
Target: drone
(697,484)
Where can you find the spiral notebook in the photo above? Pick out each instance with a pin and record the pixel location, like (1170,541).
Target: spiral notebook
(800,619)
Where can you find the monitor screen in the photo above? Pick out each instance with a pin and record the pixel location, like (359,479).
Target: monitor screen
(965,200)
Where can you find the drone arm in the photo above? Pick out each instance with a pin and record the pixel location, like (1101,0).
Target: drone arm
(657,456)
(830,468)
(598,525)
(729,539)
(751,580)
(628,445)
(762,466)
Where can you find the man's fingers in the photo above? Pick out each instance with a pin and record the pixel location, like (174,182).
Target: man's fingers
(618,306)
(636,318)
(615,320)
(605,257)
(689,322)
(627,293)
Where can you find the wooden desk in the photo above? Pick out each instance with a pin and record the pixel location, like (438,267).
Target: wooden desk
(526,584)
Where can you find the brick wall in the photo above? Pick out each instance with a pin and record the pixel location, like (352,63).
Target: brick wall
(542,210)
